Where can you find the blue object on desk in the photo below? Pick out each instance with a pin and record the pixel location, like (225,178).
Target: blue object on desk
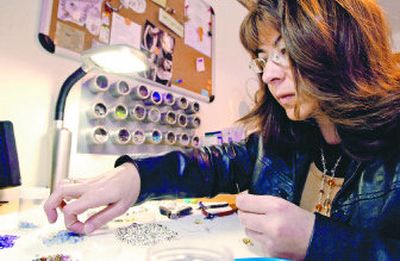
(260,259)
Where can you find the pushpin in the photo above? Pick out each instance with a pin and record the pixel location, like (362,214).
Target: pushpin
(178,81)
(200,32)
(211,10)
(108,8)
(170,10)
(185,14)
(186,8)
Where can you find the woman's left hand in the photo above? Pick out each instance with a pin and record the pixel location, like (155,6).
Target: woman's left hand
(283,229)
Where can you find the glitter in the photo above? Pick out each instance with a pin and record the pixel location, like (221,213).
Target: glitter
(120,112)
(64,237)
(145,234)
(7,241)
(58,257)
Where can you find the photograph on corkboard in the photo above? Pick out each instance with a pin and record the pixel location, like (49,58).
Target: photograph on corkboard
(159,47)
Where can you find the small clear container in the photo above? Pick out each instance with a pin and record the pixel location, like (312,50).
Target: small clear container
(30,212)
(184,252)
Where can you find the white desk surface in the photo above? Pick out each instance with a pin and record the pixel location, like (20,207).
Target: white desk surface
(103,244)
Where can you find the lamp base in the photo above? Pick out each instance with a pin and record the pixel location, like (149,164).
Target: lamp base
(61,156)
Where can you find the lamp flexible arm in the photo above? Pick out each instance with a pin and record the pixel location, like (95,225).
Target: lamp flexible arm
(65,88)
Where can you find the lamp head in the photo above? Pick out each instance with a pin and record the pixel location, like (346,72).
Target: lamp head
(120,59)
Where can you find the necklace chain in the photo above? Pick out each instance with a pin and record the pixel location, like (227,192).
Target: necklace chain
(325,207)
(324,168)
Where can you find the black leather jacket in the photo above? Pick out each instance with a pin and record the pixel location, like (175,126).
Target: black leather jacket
(365,217)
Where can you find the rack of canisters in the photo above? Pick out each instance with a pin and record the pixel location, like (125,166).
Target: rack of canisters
(119,115)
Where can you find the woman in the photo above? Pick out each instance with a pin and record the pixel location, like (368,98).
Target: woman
(322,168)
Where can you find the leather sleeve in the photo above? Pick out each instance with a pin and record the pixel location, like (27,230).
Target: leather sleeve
(202,172)
(332,240)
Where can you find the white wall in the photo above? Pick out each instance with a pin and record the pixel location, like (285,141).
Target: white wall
(30,79)
(391,9)
(396,41)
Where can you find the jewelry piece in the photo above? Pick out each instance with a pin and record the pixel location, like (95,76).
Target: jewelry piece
(247,241)
(326,205)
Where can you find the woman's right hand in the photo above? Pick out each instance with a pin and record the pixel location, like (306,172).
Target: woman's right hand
(117,190)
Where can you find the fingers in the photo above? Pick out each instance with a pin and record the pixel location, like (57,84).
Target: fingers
(72,223)
(93,193)
(102,217)
(85,202)
(265,242)
(254,235)
(254,222)
(258,222)
(51,213)
(77,227)
(256,203)
(64,191)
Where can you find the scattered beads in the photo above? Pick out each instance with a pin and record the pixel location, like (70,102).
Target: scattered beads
(27,225)
(145,234)
(64,237)
(190,200)
(247,241)
(318,207)
(58,257)
(7,241)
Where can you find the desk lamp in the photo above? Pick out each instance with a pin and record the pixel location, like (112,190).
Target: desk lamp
(117,59)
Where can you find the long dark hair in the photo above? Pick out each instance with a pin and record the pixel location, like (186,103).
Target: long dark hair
(341,55)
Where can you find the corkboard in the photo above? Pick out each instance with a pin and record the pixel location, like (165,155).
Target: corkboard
(184,74)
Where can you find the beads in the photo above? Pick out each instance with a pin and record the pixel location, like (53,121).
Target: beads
(57,257)
(63,237)
(326,205)
(27,225)
(318,207)
(145,234)
(7,241)
(331,183)
(247,241)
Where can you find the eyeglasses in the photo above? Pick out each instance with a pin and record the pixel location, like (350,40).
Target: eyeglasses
(278,57)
